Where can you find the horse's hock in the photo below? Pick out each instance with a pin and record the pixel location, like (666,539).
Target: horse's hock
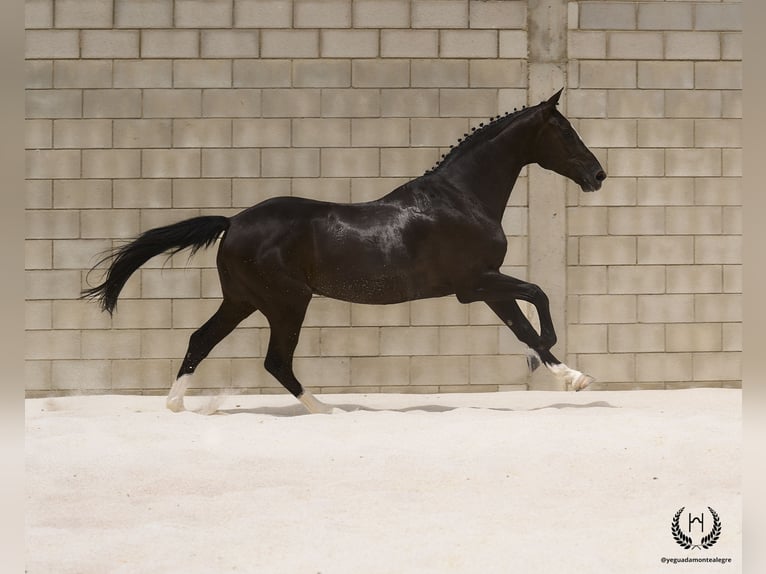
(142,115)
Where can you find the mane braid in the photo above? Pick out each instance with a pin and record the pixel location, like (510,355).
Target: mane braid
(483,131)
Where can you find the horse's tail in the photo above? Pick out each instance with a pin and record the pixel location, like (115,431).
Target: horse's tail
(194,233)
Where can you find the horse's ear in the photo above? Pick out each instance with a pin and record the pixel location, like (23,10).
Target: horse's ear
(554,99)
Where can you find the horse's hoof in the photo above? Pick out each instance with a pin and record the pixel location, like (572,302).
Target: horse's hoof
(175,405)
(582,381)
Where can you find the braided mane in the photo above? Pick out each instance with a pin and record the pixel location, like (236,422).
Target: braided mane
(482,132)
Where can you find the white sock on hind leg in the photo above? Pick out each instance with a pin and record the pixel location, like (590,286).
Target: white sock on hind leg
(313,404)
(175,400)
(570,376)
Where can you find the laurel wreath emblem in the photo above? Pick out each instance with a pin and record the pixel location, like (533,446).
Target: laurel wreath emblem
(685,541)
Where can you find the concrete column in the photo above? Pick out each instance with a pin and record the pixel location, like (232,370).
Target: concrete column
(547,66)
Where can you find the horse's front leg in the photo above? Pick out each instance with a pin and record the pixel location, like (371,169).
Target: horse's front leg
(500,292)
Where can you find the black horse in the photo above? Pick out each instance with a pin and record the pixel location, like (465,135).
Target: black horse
(436,235)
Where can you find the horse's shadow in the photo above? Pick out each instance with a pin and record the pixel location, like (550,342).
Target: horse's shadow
(298,410)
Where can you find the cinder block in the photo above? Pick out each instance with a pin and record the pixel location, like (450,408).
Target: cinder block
(609,368)
(202,133)
(440,73)
(636,279)
(380,132)
(289,44)
(112,103)
(368,189)
(229,44)
(263,13)
(635,45)
(142,374)
(381,315)
(230,163)
(261,133)
(731,104)
(731,46)
(636,162)
(732,336)
(621,191)
(142,193)
(693,104)
(608,133)
(587,103)
(590,279)
(724,16)
(493,14)
(407,341)
(380,371)
(665,16)
(694,220)
(82,133)
(665,191)
(381,13)
(142,313)
(409,43)
(38,14)
(324,312)
(52,345)
(666,133)
(247,192)
(51,284)
(666,75)
(350,103)
(143,13)
(108,224)
(171,163)
(111,163)
(80,376)
(170,43)
(406,162)
(320,132)
(718,75)
(38,134)
(442,370)
(587,338)
(585,45)
(666,309)
(323,188)
(695,337)
(731,162)
(693,162)
(636,103)
(52,44)
(155,344)
(170,283)
(636,220)
(608,74)
(52,164)
(732,220)
(603,250)
(498,73)
(83,13)
(724,133)
(380,73)
(322,14)
(263,73)
(345,342)
(665,250)
(240,103)
(349,43)
(38,254)
(468,44)
(142,133)
(201,193)
(664,367)
(717,366)
(78,253)
(607,16)
(607,309)
(203,13)
(350,162)
(636,338)
(53,104)
(439,311)
(37,315)
(290,162)
(112,344)
(38,194)
(473,103)
(323,73)
(143,74)
(38,74)
(718,249)
(110,43)
(202,74)
(436,131)
(325,372)
(82,194)
(439,14)
(476,340)
(513,44)
(291,103)
(694,279)
(692,46)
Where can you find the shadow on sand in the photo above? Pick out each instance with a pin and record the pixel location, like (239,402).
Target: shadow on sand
(298,410)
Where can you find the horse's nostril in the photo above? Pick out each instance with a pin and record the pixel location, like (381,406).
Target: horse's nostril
(600,176)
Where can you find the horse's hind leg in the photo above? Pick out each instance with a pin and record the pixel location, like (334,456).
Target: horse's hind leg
(202,341)
(285,322)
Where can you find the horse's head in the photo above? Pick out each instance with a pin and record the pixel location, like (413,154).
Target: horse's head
(559,148)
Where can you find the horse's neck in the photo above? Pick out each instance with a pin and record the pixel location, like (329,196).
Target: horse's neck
(490,170)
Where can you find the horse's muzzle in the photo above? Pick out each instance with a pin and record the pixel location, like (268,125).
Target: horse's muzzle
(593,182)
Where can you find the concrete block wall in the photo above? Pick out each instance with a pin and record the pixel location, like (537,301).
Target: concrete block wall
(654,259)
(144,112)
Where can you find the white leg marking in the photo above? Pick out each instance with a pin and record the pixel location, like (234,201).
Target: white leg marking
(313,404)
(572,377)
(175,400)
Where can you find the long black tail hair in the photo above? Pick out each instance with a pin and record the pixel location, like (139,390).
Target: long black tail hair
(194,233)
